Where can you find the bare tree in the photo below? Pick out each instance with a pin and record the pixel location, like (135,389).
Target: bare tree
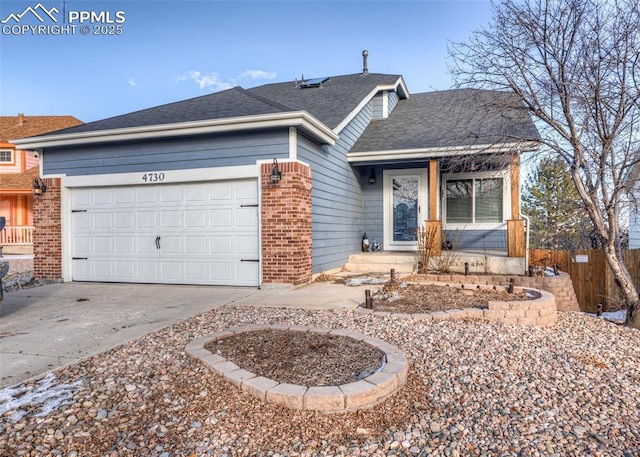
(574,64)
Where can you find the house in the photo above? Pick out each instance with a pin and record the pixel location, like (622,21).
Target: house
(272,184)
(18,169)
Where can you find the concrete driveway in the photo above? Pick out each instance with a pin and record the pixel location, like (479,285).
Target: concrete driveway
(52,326)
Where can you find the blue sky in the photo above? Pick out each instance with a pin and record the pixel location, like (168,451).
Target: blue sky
(174,50)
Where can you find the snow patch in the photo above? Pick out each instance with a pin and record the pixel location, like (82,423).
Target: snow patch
(44,397)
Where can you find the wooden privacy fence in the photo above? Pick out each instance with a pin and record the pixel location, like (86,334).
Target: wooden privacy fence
(591,277)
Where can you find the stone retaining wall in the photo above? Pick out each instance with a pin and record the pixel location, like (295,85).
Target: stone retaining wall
(538,312)
(560,286)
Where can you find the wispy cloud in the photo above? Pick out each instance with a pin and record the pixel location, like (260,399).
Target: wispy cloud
(258,74)
(132,82)
(213,82)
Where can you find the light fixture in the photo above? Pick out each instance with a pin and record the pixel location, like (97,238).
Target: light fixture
(276,176)
(39,187)
(372,178)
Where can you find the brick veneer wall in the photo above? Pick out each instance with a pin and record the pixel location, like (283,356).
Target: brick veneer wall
(47,235)
(560,286)
(286,225)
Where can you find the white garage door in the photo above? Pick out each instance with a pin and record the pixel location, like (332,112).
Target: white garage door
(195,233)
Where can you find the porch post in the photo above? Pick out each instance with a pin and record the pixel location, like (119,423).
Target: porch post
(434,223)
(516,242)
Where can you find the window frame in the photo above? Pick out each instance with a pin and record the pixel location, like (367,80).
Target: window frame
(506,199)
(12,156)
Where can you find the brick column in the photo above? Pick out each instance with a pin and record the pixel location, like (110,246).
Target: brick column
(47,235)
(286,225)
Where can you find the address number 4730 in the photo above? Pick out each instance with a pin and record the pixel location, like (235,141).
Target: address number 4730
(153,177)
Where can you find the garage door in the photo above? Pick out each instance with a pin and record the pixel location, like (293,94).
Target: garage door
(195,233)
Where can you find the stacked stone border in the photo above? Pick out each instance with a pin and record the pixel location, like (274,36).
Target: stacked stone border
(560,286)
(330,399)
(538,312)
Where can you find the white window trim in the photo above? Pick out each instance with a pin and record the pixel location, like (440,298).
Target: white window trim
(506,200)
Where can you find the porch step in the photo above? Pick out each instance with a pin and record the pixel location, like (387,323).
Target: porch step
(382,262)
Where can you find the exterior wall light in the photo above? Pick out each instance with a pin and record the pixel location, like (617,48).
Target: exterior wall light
(276,176)
(39,187)
(372,177)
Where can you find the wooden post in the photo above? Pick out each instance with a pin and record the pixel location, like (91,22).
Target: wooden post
(434,222)
(437,238)
(514,170)
(433,190)
(516,242)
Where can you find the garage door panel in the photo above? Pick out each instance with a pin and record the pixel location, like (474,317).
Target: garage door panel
(196,272)
(124,245)
(124,220)
(195,244)
(221,218)
(247,246)
(220,244)
(171,219)
(146,220)
(246,191)
(221,191)
(195,218)
(125,270)
(246,217)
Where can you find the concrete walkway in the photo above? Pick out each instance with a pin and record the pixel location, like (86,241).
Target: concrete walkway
(48,327)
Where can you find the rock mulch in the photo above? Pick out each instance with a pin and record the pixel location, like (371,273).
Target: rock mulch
(474,389)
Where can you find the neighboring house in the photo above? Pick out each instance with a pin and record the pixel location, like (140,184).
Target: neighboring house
(186,192)
(18,169)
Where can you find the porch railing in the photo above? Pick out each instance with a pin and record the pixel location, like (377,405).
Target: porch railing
(16,235)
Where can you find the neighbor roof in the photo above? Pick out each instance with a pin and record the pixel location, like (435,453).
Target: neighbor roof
(451,118)
(20,126)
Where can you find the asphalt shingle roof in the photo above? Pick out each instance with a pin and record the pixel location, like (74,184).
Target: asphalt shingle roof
(330,104)
(12,127)
(459,117)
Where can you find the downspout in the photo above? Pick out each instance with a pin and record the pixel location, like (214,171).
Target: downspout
(526,252)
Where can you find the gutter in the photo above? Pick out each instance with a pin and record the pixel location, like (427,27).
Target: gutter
(300,119)
(447,151)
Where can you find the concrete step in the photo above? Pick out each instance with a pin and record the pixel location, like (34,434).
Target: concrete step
(382,262)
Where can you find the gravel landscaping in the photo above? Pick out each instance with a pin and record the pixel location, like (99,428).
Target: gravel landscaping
(474,389)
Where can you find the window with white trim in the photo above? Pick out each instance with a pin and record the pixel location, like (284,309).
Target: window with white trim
(6,156)
(472,200)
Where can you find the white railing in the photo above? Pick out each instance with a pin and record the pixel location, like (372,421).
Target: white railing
(16,235)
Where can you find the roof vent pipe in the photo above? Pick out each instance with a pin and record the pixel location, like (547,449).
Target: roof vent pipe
(20,119)
(365,70)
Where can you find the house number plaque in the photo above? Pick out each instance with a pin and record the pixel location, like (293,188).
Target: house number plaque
(153,177)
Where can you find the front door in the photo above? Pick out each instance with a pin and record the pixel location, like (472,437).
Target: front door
(405,207)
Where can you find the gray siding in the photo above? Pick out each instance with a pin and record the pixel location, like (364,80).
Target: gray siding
(168,154)
(376,106)
(373,204)
(477,240)
(337,196)
(393,100)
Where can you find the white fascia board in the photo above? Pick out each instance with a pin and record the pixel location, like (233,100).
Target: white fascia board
(427,153)
(168,176)
(300,119)
(399,84)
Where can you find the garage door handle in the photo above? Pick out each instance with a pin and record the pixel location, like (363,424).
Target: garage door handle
(249,260)
(158,242)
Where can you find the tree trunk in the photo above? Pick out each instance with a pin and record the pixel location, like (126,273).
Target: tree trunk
(627,287)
